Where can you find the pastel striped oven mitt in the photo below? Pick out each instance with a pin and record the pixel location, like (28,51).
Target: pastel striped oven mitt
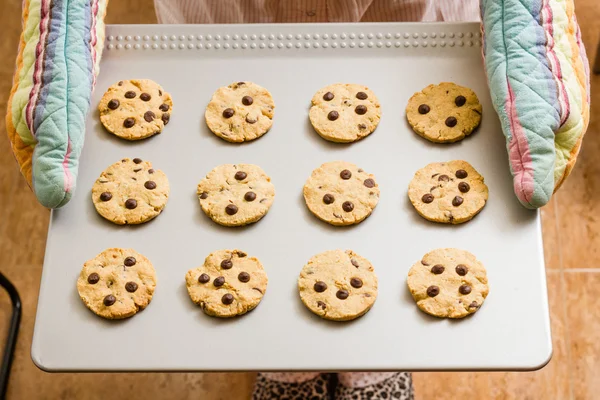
(57,64)
(539,80)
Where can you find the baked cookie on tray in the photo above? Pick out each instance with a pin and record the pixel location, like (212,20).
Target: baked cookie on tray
(344,112)
(448,283)
(230,283)
(117,283)
(444,113)
(135,109)
(340,193)
(450,192)
(130,192)
(236,194)
(338,285)
(240,112)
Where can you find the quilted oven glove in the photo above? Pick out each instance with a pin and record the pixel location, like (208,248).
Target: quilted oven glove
(536,65)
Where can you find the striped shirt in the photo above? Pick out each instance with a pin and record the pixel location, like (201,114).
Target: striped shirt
(273,11)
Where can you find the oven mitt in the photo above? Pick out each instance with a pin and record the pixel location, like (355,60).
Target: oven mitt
(539,80)
(57,64)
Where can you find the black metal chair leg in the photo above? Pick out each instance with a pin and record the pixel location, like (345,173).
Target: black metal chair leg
(11,339)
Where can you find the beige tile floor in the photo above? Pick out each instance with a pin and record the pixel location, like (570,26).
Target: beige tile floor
(571,225)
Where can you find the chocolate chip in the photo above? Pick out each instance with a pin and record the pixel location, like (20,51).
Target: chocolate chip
(131,204)
(321,304)
(241,254)
(218,282)
(356,283)
(328,199)
(165,118)
(159,92)
(369,183)
(149,116)
(129,261)
(460,101)
(130,94)
(464,289)
(362,126)
(348,206)
(164,107)
(342,294)
(250,196)
(145,97)
(427,198)
(244,277)
(461,269)
(320,287)
(250,120)
(437,269)
(451,122)
(227,299)
(137,170)
(150,171)
(241,83)
(247,100)
(113,104)
(106,196)
(228,113)
(240,175)
(361,96)
(354,262)
(474,305)
(109,300)
(226,264)
(203,195)
(333,115)
(464,187)
(360,109)
(150,185)
(443,178)
(129,122)
(457,201)
(345,174)
(231,209)
(461,174)
(137,160)
(424,109)
(93,278)
(203,278)
(120,83)
(328,96)
(131,287)
(433,291)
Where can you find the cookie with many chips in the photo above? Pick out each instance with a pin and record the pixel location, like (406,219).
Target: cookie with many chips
(117,283)
(448,283)
(229,283)
(338,285)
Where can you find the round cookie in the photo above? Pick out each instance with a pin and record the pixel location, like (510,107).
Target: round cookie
(135,109)
(444,113)
(240,112)
(130,192)
(344,112)
(450,192)
(228,284)
(448,283)
(236,194)
(117,283)
(340,193)
(338,285)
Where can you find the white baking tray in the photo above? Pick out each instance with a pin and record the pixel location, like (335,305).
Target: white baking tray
(512,329)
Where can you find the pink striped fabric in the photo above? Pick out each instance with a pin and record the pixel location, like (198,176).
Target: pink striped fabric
(273,11)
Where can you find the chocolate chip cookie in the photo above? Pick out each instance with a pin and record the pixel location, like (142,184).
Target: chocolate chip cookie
(340,193)
(344,112)
(444,113)
(338,285)
(240,112)
(448,283)
(230,283)
(117,283)
(135,109)
(450,192)
(236,194)
(130,192)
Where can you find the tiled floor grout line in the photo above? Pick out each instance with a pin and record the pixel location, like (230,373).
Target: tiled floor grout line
(563,291)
